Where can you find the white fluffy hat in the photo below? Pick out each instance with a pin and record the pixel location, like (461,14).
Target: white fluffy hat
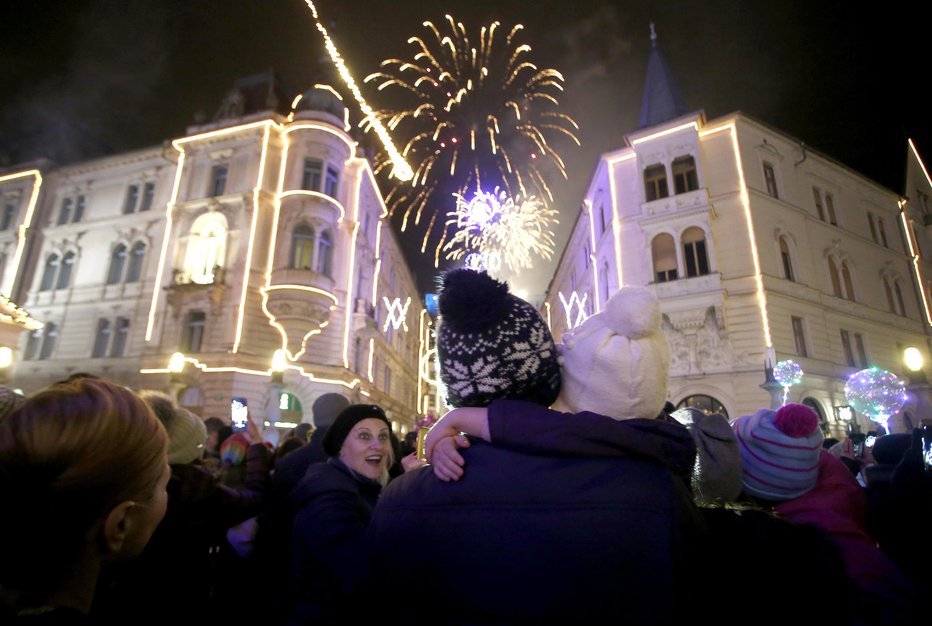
(616,362)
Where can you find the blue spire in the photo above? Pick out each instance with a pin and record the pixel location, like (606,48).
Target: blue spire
(662,100)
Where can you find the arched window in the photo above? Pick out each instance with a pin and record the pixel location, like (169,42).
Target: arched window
(684,174)
(655,182)
(787,261)
(901,306)
(706,404)
(813,404)
(64,274)
(302,247)
(833,273)
(694,252)
(325,254)
(48,274)
(849,285)
(663,253)
(117,261)
(136,255)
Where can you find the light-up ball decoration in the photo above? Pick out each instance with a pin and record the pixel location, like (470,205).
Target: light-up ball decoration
(877,393)
(788,373)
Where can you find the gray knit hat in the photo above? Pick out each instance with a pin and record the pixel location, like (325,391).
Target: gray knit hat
(492,344)
(779,451)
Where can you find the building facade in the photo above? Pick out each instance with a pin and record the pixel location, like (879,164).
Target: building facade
(759,250)
(263,231)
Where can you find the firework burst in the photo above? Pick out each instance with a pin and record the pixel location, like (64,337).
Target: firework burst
(478,115)
(500,230)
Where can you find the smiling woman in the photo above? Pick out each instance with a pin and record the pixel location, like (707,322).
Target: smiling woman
(333,505)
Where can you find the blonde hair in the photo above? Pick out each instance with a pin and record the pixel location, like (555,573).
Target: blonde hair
(67,457)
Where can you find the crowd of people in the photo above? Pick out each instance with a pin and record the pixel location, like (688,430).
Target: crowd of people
(562,488)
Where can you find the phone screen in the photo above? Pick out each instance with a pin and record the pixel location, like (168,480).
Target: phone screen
(239,413)
(927,446)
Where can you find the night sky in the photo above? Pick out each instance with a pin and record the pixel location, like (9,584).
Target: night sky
(116,75)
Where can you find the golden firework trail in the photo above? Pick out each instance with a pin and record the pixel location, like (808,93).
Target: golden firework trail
(479,116)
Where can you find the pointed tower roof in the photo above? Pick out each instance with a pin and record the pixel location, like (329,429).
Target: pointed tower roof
(662,100)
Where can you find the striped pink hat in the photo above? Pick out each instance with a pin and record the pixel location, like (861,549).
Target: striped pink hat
(779,451)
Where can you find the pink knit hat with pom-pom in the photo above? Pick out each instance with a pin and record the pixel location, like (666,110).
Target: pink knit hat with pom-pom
(779,451)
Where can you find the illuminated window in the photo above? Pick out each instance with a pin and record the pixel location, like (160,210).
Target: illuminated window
(117,261)
(830,205)
(330,184)
(218,179)
(148,192)
(206,248)
(684,174)
(846,348)
(136,256)
(787,261)
(663,253)
(302,247)
(120,337)
(64,215)
(102,339)
(193,334)
(799,336)
(49,340)
(833,274)
(9,212)
(870,222)
(655,182)
(849,285)
(694,252)
(770,178)
(132,197)
(325,254)
(817,196)
(79,204)
(48,274)
(311,177)
(898,292)
(706,404)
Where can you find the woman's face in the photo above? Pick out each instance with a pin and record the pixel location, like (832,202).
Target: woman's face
(366,449)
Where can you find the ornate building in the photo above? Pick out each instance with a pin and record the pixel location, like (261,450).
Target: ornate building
(759,249)
(258,233)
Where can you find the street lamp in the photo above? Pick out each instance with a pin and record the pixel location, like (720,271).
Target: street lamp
(279,363)
(918,387)
(176,367)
